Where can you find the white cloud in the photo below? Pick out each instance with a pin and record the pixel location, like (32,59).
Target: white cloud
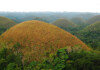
(50,5)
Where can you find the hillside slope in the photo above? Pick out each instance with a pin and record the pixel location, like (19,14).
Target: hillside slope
(5,23)
(94,19)
(78,21)
(91,35)
(66,25)
(63,23)
(38,38)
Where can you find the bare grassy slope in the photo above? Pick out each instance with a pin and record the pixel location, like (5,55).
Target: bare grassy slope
(38,37)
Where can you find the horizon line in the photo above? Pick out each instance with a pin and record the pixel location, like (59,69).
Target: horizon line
(50,11)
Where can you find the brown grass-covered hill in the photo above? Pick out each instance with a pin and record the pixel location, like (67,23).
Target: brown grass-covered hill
(5,23)
(38,38)
(65,24)
(94,19)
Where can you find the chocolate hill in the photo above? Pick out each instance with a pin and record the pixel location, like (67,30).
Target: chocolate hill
(37,38)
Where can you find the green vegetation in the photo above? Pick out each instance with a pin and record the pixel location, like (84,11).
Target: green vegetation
(35,35)
(5,24)
(9,60)
(91,35)
(94,19)
(81,24)
(66,25)
(78,21)
(68,58)
(36,45)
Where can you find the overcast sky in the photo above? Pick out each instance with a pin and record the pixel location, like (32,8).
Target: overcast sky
(50,5)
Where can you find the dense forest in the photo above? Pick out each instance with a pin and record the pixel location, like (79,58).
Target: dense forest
(49,41)
(63,59)
(91,35)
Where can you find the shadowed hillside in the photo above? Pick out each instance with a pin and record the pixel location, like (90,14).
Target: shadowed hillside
(91,35)
(94,19)
(5,23)
(66,25)
(39,38)
(78,21)
(63,23)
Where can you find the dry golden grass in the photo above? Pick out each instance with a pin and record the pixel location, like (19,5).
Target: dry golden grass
(38,38)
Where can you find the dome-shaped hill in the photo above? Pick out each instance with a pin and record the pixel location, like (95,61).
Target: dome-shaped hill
(5,23)
(78,21)
(65,24)
(91,35)
(38,37)
(94,19)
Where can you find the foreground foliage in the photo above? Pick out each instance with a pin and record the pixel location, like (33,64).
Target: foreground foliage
(63,59)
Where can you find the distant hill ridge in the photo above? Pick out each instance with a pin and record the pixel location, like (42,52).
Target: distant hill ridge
(64,23)
(94,19)
(5,23)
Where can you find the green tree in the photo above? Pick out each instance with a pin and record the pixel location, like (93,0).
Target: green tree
(13,66)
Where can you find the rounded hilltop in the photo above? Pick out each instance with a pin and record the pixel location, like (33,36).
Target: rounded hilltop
(94,19)
(38,37)
(78,20)
(5,23)
(64,24)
